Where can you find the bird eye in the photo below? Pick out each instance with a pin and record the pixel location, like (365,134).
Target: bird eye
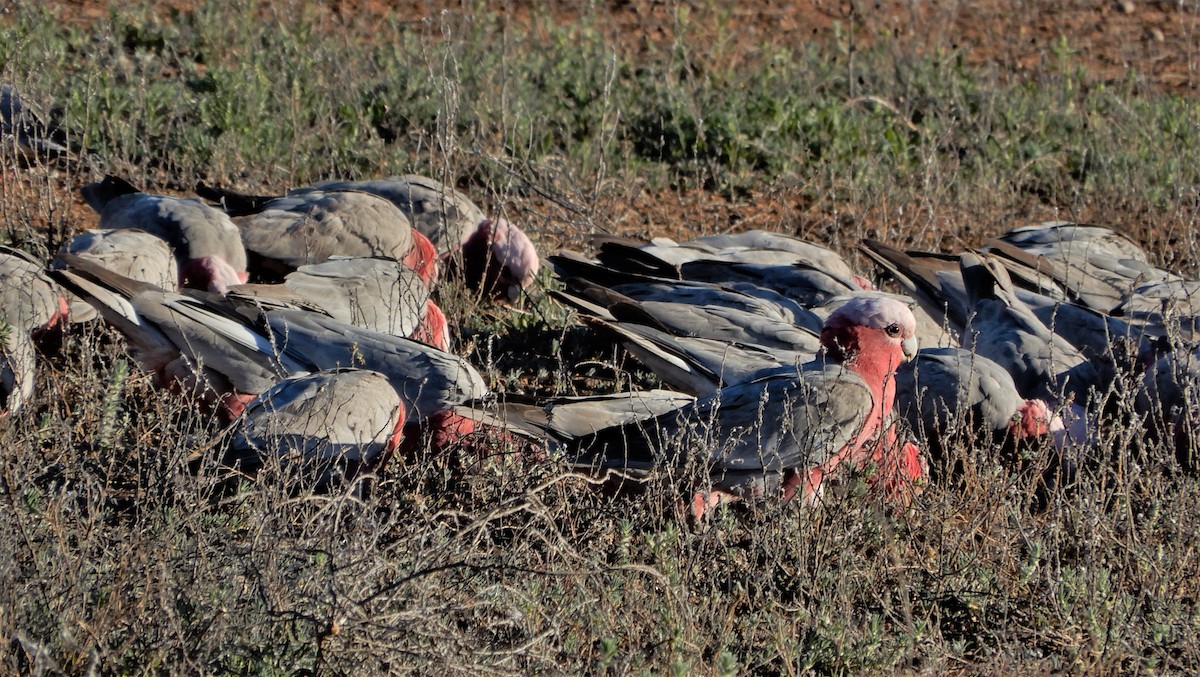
(893,330)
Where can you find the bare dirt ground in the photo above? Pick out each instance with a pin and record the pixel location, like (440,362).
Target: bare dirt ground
(1140,44)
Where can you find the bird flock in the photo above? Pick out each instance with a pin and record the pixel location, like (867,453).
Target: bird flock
(306,320)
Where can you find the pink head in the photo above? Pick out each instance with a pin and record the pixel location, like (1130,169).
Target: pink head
(500,259)
(1033,418)
(210,273)
(872,333)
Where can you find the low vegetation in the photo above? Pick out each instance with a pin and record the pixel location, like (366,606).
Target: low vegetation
(124,549)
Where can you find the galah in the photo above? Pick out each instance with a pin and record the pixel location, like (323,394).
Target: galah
(951,395)
(805,283)
(232,350)
(1092,264)
(583,275)
(370,292)
(32,307)
(780,434)
(187,343)
(752,247)
(133,253)
(319,428)
(445,215)
(497,257)
(285,233)
(206,244)
(936,282)
(695,364)
(976,298)
(429,380)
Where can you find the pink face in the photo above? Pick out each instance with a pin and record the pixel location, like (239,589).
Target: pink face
(1032,419)
(500,259)
(875,328)
(210,273)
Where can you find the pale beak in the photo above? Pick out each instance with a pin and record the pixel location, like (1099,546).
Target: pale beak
(909,345)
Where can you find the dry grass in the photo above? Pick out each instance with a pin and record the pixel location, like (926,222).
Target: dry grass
(117,556)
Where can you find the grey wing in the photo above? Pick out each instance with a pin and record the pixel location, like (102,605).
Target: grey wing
(1006,330)
(428,380)
(785,422)
(935,390)
(379,294)
(700,365)
(1065,235)
(441,213)
(312,227)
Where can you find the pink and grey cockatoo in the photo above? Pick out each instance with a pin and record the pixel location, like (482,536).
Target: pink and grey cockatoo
(804,283)
(319,428)
(206,244)
(370,292)
(757,247)
(30,302)
(780,434)
(952,394)
(133,253)
(32,307)
(497,257)
(231,350)
(287,232)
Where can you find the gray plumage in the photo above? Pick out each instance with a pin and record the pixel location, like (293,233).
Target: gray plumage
(444,215)
(135,254)
(746,436)
(373,293)
(947,392)
(319,426)
(429,380)
(245,349)
(311,227)
(193,229)
(1094,265)
(755,247)
(29,300)
(179,337)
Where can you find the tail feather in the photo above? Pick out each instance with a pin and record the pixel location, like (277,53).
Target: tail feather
(233,203)
(99,194)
